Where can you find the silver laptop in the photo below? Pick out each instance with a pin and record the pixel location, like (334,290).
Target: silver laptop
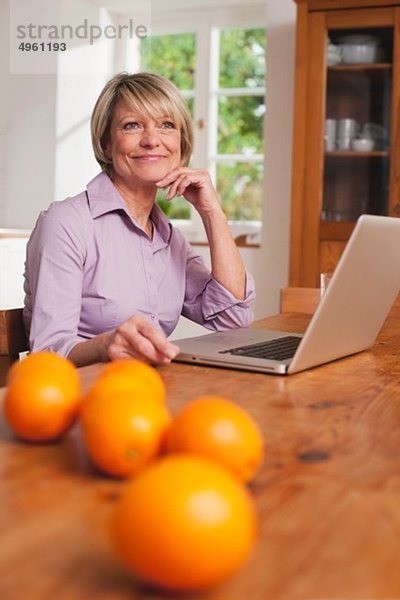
(348,318)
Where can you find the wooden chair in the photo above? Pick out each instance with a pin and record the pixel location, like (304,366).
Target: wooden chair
(12,339)
(299,300)
(305,300)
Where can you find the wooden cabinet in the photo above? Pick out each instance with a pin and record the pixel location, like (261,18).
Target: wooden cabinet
(346,145)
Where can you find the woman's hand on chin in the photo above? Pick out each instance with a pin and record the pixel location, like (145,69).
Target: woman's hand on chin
(195,185)
(137,338)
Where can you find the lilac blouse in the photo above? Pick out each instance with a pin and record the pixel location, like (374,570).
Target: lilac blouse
(89,267)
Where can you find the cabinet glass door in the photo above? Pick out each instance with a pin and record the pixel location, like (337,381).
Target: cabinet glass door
(357,123)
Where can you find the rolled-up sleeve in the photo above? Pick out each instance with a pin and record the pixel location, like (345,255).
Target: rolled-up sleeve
(209,303)
(53,284)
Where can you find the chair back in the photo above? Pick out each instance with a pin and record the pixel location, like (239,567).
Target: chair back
(299,300)
(12,339)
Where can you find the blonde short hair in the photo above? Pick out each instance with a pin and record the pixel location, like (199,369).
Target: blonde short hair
(149,94)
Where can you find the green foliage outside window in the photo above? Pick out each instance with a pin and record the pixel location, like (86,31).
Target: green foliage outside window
(242,58)
(240,124)
(240,190)
(177,208)
(172,56)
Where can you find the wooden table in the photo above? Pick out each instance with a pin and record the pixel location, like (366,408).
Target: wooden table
(328,494)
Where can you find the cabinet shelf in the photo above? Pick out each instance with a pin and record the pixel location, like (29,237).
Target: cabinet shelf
(364,67)
(355,154)
(335,230)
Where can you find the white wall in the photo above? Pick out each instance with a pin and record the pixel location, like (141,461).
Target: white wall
(272,266)
(44,118)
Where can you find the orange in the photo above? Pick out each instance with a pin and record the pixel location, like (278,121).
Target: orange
(43,361)
(43,397)
(218,429)
(142,379)
(185,523)
(124,432)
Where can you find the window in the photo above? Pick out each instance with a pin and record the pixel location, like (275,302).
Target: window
(218,63)
(174,57)
(236,157)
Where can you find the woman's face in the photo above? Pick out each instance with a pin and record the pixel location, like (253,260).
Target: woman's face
(143,149)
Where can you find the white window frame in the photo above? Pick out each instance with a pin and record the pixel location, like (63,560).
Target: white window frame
(206,92)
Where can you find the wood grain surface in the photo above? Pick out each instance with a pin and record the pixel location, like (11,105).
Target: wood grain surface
(328,493)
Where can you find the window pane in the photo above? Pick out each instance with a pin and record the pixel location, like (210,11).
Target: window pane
(178,208)
(242,58)
(172,56)
(240,124)
(239,188)
(190,103)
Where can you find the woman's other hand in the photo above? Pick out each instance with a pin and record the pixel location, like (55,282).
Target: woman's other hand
(195,185)
(137,338)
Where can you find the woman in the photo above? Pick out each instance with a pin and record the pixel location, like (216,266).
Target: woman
(107,276)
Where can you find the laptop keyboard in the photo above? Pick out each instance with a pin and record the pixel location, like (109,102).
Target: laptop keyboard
(278,349)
